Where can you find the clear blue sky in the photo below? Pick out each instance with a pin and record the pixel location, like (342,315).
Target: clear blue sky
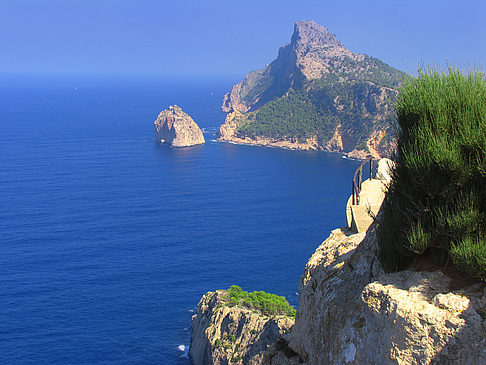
(228,37)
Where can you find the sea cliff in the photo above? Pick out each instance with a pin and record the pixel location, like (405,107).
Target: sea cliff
(226,334)
(351,311)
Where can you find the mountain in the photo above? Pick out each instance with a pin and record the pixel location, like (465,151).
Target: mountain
(316,95)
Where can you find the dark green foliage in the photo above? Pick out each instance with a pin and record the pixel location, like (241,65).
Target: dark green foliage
(418,238)
(470,256)
(268,304)
(437,201)
(235,294)
(293,115)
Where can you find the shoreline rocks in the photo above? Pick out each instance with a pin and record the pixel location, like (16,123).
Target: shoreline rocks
(176,128)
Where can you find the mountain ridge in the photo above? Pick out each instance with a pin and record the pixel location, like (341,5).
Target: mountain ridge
(316,95)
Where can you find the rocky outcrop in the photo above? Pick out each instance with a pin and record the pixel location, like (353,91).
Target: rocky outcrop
(328,291)
(351,312)
(176,128)
(413,317)
(352,95)
(225,335)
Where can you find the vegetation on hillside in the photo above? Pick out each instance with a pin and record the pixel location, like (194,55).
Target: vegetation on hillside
(266,303)
(436,204)
(349,95)
(291,116)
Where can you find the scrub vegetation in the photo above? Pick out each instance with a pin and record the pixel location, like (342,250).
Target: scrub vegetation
(436,204)
(266,303)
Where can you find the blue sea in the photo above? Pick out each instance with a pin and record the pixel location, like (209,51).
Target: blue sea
(109,239)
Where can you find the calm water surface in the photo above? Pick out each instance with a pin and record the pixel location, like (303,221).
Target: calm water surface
(108,239)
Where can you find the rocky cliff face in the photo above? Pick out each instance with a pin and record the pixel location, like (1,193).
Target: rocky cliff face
(232,335)
(316,93)
(351,312)
(176,128)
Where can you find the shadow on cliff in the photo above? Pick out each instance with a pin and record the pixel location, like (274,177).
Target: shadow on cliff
(264,341)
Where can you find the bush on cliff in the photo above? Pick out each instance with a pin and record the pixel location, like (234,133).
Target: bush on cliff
(268,304)
(436,204)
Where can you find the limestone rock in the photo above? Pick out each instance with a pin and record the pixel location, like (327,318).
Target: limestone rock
(224,335)
(329,296)
(413,318)
(176,128)
(351,312)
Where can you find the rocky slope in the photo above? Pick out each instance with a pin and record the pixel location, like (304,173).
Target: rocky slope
(227,335)
(316,95)
(351,312)
(176,128)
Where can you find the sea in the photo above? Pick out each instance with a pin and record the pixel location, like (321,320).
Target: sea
(108,239)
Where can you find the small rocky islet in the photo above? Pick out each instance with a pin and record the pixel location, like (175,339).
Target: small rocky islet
(176,128)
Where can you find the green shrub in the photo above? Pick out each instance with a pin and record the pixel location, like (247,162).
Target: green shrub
(235,294)
(266,303)
(470,256)
(436,203)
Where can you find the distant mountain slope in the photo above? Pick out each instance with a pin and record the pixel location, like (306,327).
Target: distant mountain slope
(318,95)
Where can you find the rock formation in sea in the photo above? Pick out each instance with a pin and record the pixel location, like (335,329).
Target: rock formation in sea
(316,95)
(176,128)
(224,334)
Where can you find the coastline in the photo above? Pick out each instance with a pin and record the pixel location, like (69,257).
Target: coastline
(311,145)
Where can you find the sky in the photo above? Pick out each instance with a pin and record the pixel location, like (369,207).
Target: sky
(230,37)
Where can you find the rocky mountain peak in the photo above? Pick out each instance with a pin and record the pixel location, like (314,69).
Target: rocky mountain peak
(310,33)
(347,95)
